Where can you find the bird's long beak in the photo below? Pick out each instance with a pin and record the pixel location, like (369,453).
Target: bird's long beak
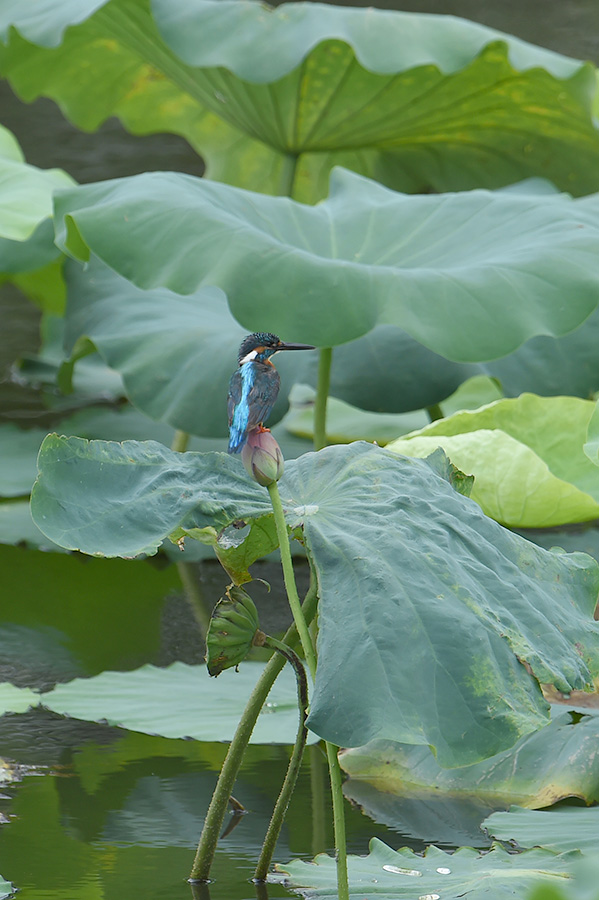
(284,346)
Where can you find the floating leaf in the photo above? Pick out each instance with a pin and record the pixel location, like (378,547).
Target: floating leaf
(206,709)
(388,874)
(493,267)
(526,456)
(566,828)
(376,526)
(274,98)
(16,700)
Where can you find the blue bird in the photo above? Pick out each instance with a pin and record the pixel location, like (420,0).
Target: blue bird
(254,386)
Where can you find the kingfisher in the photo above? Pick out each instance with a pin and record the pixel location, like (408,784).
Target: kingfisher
(254,385)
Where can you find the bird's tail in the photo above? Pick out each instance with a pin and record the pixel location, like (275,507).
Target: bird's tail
(236,442)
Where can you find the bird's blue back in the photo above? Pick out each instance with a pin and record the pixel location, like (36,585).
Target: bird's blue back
(253,390)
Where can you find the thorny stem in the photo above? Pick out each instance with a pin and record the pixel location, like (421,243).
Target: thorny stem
(322,396)
(200,870)
(278,815)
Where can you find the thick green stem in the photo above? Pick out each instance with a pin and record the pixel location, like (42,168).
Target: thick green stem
(180,441)
(188,575)
(289,578)
(338,821)
(322,395)
(319,805)
(434,412)
(304,633)
(287,178)
(278,815)
(200,870)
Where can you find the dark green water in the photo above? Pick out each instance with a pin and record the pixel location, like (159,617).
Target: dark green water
(98,813)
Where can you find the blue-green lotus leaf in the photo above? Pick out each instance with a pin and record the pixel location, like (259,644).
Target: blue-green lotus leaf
(406,567)
(273,99)
(470,275)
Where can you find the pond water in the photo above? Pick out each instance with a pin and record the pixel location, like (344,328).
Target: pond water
(97,812)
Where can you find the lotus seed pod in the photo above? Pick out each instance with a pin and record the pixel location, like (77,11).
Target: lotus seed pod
(233,624)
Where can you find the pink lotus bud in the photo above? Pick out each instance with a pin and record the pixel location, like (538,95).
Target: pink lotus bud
(262,457)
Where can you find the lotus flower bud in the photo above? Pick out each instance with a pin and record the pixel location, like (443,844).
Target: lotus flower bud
(262,457)
(233,626)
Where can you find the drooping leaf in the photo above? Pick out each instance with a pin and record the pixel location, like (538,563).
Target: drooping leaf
(566,828)
(17,527)
(387,874)
(403,562)
(561,760)
(492,267)
(274,98)
(176,354)
(207,709)
(526,455)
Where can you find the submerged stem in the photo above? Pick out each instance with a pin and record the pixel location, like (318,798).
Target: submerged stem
(278,815)
(200,870)
(322,395)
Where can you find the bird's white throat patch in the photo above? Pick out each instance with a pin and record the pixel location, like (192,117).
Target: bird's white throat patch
(250,356)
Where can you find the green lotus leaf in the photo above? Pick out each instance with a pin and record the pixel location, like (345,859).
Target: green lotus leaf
(206,709)
(347,423)
(591,447)
(542,768)
(378,526)
(563,829)
(176,354)
(15,700)
(420,102)
(526,455)
(25,191)
(491,268)
(387,874)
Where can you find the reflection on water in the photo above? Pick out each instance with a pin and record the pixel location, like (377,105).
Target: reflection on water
(122,812)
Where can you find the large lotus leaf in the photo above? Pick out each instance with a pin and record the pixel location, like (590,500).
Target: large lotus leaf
(25,191)
(591,447)
(526,455)
(566,828)
(206,709)
(470,275)
(561,760)
(406,566)
(387,874)
(176,354)
(419,102)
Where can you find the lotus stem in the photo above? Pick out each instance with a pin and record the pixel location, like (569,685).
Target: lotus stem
(322,396)
(289,578)
(308,648)
(204,857)
(434,412)
(180,441)
(278,815)
(338,821)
